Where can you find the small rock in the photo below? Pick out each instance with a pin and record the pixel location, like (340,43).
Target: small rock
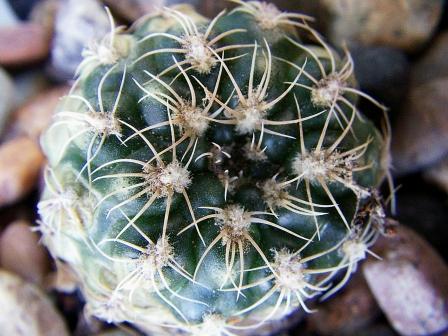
(44,14)
(63,279)
(34,117)
(275,326)
(212,8)
(23,44)
(403,24)
(438,174)
(20,163)
(132,10)
(91,23)
(421,130)
(23,7)
(376,330)
(382,72)
(348,312)
(113,332)
(7,15)
(88,325)
(434,63)
(26,311)
(424,209)
(29,84)
(6,97)
(22,254)
(410,284)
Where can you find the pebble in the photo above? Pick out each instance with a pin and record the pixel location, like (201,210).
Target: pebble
(29,83)
(63,279)
(44,13)
(434,63)
(421,129)
(23,7)
(22,254)
(423,208)
(113,332)
(382,72)
(7,15)
(89,325)
(20,163)
(26,310)
(376,330)
(33,117)
(410,284)
(348,312)
(212,8)
(438,174)
(91,22)
(403,24)
(6,97)
(131,10)
(23,44)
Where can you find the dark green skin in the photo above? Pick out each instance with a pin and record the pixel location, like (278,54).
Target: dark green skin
(206,189)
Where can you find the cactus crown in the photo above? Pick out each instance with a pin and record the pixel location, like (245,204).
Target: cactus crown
(206,177)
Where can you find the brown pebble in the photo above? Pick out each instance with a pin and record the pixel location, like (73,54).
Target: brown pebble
(132,10)
(421,131)
(23,44)
(63,279)
(20,162)
(410,284)
(33,117)
(402,24)
(89,325)
(44,13)
(346,313)
(22,254)
(26,310)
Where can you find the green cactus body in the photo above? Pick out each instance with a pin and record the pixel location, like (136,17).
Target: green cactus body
(206,177)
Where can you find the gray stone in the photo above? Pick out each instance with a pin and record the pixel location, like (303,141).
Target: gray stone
(382,72)
(78,22)
(410,284)
(29,84)
(421,129)
(6,97)
(132,10)
(44,13)
(26,310)
(7,16)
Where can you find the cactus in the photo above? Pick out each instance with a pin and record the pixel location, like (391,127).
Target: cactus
(206,177)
